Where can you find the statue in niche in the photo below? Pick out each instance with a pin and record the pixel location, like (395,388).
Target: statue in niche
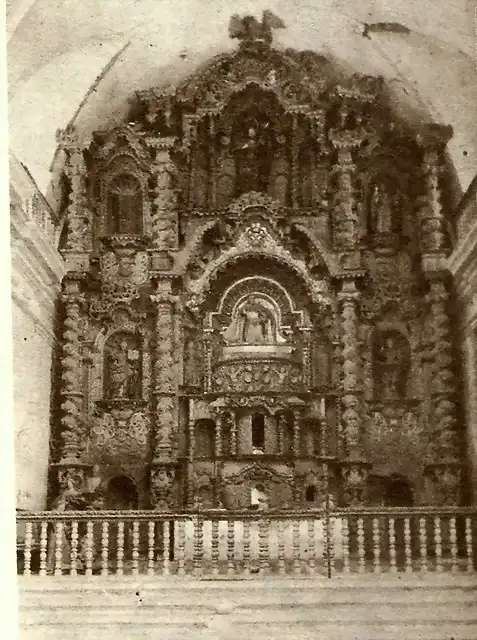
(123,367)
(380,211)
(392,362)
(125,205)
(253,158)
(256,328)
(254,323)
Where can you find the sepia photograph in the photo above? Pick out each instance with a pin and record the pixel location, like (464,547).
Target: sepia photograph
(242,300)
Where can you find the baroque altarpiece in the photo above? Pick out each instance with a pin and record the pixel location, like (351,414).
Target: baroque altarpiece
(256,296)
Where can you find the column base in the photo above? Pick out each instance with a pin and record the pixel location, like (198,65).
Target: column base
(354,473)
(163,485)
(443,482)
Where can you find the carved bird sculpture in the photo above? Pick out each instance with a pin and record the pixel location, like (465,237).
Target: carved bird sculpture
(249,29)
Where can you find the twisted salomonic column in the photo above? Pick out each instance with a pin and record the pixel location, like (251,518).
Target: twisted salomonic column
(79,237)
(445,468)
(307,342)
(444,471)
(72,427)
(164,205)
(432,139)
(295,169)
(347,226)
(355,467)
(165,387)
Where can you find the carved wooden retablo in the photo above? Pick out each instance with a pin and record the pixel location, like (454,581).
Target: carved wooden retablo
(256,301)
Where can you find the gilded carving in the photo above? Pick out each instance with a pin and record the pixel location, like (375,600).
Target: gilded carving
(257,377)
(132,429)
(248,246)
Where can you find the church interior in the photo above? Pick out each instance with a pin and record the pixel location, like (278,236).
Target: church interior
(243,247)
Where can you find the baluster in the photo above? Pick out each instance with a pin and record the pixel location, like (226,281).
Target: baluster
(135,548)
(27,553)
(151,537)
(246,546)
(59,548)
(43,546)
(198,544)
(74,548)
(89,549)
(230,546)
(453,543)
(296,546)
(281,547)
(376,546)
(423,543)
(120,549)
(392,546)
(361,550)
(263,532)
(104,547)
(311,545)
(181,548)
(214,553)
(438,542)
(345,537)
(468,544)
(166,547)
(407,545)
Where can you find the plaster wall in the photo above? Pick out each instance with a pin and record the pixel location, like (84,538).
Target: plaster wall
(32,350)
(37,269)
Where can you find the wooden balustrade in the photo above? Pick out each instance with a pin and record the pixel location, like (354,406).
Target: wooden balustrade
(217,542)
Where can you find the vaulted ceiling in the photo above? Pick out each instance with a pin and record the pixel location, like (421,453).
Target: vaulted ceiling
(82,60)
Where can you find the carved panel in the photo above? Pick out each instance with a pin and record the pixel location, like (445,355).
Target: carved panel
(257,377)
(122,438)
(277,485)
(396,440)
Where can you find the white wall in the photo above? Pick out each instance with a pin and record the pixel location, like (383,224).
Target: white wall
(37,269)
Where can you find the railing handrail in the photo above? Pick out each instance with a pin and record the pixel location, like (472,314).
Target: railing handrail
(225,514)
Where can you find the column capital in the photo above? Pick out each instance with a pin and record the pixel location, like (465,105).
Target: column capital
(345,140)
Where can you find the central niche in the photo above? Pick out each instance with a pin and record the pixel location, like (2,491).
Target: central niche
(255,328)
(257,344)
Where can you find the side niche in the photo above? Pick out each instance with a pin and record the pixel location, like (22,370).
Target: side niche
(123,367)
(391,353)
(124,205)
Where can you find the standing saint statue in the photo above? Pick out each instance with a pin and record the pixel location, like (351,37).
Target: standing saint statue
(123,369)
(256,327)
